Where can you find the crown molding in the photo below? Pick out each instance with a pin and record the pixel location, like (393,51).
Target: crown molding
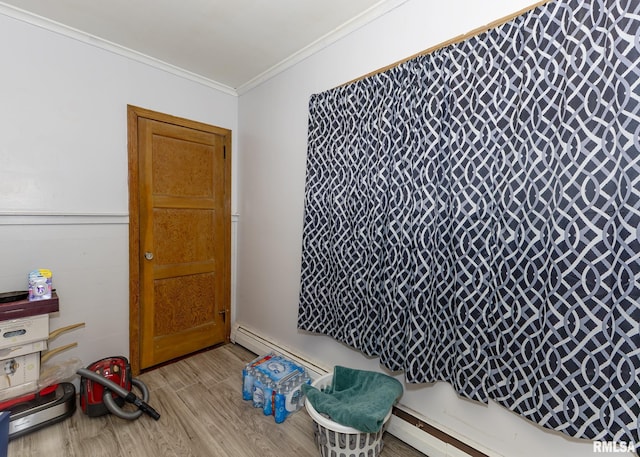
(92,40)
(379,9)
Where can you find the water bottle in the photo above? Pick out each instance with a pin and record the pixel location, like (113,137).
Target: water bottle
(280,412)
(267,408)
(258,391)
(247,383)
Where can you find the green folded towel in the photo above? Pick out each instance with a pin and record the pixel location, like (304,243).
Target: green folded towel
(356,398)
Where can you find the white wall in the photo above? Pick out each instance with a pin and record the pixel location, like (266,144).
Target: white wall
(272,128)
(63,171)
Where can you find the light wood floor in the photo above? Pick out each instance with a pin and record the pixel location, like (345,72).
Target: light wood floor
(203,415)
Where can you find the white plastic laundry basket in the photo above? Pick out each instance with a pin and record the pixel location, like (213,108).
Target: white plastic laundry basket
(336,440)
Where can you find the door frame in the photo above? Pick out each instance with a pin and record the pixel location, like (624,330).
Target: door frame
(133,114)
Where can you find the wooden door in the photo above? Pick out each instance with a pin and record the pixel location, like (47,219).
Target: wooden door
(181,238)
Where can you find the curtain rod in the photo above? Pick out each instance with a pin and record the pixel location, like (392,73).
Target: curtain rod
(457,39)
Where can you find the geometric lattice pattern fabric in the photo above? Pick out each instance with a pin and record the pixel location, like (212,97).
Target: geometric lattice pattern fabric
(473,216)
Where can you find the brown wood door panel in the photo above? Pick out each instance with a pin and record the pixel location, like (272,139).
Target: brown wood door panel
(183,226)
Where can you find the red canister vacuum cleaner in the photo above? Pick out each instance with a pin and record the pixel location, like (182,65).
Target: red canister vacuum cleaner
(106,385)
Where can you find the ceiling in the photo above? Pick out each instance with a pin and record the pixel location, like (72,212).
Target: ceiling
(234,43)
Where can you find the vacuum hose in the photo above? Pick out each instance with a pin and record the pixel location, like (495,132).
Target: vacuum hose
(130,397)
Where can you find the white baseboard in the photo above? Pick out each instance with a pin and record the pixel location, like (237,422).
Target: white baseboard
(401,429)
(253,341)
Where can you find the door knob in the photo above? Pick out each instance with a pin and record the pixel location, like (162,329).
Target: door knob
(148,255)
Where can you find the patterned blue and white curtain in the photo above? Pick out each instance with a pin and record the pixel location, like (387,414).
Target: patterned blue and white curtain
(473,216)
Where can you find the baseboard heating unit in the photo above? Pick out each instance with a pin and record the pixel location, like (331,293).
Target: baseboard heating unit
(405,424)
